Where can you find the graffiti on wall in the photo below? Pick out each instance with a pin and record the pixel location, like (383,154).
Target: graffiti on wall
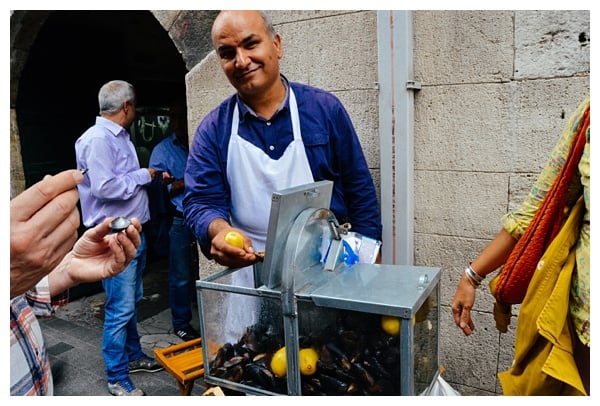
(151,125)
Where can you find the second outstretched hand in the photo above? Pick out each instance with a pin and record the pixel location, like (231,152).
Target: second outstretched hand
(97,255)
(226,254)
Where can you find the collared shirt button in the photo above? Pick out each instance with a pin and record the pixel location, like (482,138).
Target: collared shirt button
(268,123)
(271,147)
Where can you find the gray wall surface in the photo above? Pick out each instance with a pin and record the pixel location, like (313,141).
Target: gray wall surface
(497,88)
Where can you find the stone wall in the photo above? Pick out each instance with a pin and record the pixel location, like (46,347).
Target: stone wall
(497,88)
(23,29)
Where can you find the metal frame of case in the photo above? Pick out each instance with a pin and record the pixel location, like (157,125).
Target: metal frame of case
(296,276)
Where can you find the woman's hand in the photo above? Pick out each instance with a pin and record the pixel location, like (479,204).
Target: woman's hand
(462,304)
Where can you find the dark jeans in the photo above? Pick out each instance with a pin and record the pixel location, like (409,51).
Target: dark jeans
(183,272)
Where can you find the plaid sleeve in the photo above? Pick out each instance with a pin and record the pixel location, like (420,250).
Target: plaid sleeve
(42,303)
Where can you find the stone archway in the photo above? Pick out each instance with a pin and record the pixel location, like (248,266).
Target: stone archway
(59,59)
(24,27)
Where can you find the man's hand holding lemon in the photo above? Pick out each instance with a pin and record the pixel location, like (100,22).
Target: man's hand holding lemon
(230,246)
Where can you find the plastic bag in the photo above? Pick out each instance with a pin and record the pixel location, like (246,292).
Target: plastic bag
(359,248)
(440,387)
(356,248)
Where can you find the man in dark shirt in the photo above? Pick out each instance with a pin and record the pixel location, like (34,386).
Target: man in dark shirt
(271,135)
(170,156)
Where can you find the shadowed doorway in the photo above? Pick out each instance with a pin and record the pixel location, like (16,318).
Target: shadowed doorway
(73,54)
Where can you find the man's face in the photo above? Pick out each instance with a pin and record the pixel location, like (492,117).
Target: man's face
(248,56)
(179,122)
(129,110)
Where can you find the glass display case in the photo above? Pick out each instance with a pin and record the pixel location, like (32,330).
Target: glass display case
(320,326)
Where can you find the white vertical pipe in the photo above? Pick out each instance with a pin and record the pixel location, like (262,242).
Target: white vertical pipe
(396,85)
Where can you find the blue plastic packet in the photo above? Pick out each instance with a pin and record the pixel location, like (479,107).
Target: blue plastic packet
(349,256)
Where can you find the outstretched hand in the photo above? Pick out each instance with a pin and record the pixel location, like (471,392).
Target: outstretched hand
(229,255)
(99,255)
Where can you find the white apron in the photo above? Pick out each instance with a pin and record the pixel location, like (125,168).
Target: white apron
(253,177)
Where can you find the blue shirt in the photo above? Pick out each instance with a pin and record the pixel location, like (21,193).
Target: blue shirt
(170,155)
(332,148)
(114,183)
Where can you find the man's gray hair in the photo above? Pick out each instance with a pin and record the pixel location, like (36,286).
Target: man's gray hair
(267,20)
(268,24)
(113,94)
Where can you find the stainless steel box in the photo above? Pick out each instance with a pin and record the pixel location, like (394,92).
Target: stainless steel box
(306,294)
(346,305)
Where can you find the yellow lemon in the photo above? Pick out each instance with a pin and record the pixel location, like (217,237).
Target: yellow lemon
(279,363)
(234,238)
(307,358)
(390,325)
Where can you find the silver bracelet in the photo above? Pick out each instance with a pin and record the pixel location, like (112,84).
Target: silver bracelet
(474,276)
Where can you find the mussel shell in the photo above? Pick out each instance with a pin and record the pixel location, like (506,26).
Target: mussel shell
(120,223)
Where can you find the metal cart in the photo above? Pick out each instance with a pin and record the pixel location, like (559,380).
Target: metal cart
(305,294)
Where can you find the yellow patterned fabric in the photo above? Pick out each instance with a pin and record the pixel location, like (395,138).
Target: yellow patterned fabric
(517,221)
(544,363)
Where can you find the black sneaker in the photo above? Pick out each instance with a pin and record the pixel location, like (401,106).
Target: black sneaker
(145,364)
(187,334)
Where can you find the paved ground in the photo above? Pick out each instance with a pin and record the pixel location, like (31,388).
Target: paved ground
(74,340)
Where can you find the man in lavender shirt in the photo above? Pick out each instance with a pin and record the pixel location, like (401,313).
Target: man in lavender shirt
(114,186)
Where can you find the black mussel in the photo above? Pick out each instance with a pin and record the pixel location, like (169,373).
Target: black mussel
(239,349)
(260,358)
(336,371)
(252,342)
(327,359)
(235,373)
(388,356)
(120,224)
(333,386)
(365,377)
(383,387)
(228,350)
(353,388)
(339,355)
(219,372)
(219,359)
(237,360)
(260,375)
(374,367)
(350,341)
(309,390)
